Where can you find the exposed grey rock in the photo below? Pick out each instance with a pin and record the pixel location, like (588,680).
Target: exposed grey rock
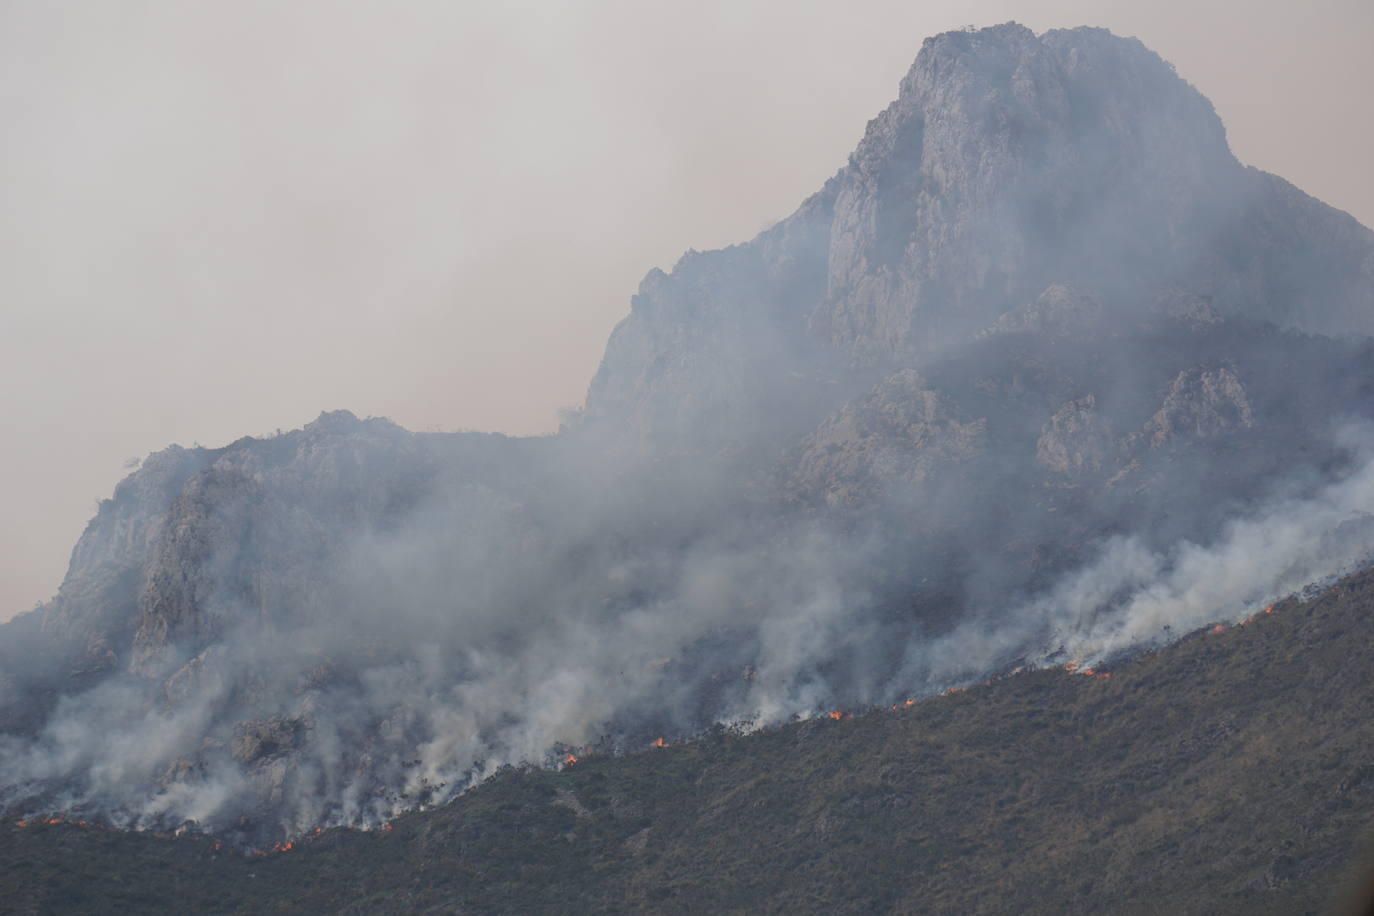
(1010,164)
(1058,310)
(259,739)
(898,433)
(1076,439)
(1201,403)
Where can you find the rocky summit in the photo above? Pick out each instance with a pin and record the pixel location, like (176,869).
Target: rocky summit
(1042,375)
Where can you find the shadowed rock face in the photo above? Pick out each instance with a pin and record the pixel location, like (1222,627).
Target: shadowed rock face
(1035,350)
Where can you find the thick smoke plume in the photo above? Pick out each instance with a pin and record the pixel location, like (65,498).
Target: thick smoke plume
(1134,596)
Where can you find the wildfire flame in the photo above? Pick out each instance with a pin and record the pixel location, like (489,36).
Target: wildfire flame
(569,760)
(659,742)
(1219,628)
(1076,667)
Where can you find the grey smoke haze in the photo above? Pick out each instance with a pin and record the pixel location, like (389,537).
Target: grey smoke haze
(218,220)
(1039,372)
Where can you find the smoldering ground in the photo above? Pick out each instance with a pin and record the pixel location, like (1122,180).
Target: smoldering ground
(479,632)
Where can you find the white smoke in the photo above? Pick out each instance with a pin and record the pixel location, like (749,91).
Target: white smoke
(1134,596)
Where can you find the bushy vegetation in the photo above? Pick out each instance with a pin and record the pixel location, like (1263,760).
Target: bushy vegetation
(1232,772)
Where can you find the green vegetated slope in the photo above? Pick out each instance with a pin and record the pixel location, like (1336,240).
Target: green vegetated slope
(1231,772)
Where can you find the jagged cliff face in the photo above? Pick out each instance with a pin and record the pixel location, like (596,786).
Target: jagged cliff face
(1041,372)
(1009,165)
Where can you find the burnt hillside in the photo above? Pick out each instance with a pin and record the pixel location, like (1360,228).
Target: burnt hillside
(1231,772)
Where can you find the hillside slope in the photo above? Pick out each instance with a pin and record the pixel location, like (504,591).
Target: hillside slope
(1231,772)
(1042,373)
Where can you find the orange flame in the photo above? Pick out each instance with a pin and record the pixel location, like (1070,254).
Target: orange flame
(22,823)
(659,743)
(1219,628)
(836,714)
(569,760)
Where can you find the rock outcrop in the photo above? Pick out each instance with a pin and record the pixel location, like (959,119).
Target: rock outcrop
(1076,439)
(1201,403)
(896,435)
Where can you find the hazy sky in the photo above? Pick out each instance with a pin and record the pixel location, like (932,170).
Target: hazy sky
(218,219)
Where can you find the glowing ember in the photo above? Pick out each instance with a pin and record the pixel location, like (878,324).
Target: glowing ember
(659,743)
(836,714)
(569,760)
(1219,628)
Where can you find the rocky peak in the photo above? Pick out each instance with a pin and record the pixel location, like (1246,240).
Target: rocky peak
(1074,171)
(1009,162)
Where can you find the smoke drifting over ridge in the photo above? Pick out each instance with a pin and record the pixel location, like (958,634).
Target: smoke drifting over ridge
(969,407)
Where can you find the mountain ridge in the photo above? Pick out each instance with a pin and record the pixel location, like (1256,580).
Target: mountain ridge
(1001,389)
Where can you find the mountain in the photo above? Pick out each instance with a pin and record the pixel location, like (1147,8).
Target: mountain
(1042,375)
(1229,772)
(1009,165)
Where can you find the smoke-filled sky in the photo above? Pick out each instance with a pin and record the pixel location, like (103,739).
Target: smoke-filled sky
(218,220)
